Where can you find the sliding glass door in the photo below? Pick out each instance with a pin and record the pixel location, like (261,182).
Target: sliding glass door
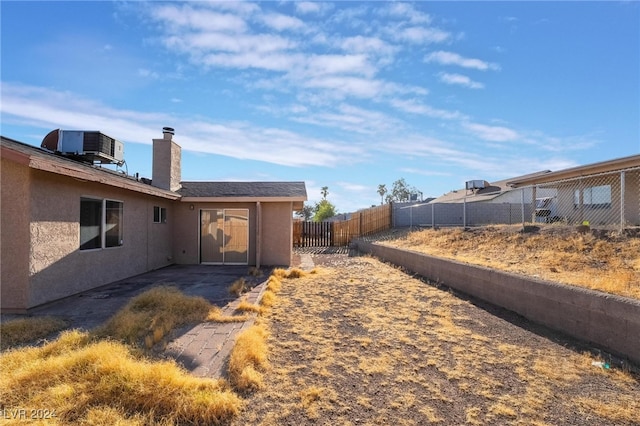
(224,236)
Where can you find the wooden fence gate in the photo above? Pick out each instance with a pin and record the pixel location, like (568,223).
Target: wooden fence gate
(339,233)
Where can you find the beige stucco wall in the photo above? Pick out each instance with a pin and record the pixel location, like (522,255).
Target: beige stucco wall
(276,231)
(277,228)
(14,235)
(54,265)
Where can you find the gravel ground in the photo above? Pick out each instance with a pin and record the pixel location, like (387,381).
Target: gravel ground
(364,343)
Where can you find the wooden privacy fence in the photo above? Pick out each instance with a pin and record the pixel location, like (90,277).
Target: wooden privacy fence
(340,232)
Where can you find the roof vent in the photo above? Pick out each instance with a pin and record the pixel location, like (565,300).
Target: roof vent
(84,145)
(168,132)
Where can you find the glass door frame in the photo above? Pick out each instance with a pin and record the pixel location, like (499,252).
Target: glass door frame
(224,236)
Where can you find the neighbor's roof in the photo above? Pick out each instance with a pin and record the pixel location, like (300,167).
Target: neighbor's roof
(622,163)
(242,191)
(41,159)
(493,190)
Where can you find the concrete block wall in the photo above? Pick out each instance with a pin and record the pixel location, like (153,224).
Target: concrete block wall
(608,321)
(453,214)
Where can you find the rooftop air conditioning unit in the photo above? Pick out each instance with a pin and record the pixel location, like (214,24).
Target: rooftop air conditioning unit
(476,184)
(85,145)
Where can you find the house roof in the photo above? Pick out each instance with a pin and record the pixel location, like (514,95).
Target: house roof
(243,191)
(41,159)
(489,192)
(586,170)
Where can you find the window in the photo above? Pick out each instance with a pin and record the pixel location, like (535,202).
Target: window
(90,224)
(113,224)
(595,197)
(159,214)
(100,223)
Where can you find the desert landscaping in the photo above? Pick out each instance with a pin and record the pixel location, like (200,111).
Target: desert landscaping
(363,343)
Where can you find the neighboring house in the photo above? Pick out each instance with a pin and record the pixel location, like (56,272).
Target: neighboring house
(481,191)
(68,226)
(479,203)
(603,193)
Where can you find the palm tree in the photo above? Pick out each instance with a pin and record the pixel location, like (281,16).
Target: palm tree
(382,189)
(324,191)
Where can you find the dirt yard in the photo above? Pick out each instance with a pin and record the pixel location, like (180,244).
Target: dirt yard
(599,260)
(362,343)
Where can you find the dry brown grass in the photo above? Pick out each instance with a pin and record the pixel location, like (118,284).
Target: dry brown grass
(238,287)
(604,262)
(150,316)
(216,315)
(24,330)
(364,341)
(245,306)
(249,358)
(82,380)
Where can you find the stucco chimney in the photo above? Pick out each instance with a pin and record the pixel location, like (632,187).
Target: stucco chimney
(166,172)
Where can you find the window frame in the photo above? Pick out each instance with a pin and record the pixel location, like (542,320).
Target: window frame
(159,214)
(107,207)
(587,197)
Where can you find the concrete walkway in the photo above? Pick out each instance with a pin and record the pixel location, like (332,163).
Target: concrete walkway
(204,349)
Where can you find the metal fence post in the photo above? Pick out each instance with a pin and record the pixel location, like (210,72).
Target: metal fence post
(622,221)
(464,212)
(433,216)
(410,216)
(522,204)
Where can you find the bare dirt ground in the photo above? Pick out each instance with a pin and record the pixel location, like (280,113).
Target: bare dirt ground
(362,343)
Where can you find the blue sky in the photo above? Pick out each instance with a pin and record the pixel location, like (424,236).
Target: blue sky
(347,95)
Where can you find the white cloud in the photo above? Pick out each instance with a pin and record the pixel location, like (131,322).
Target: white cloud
(339,64)
(198,43)
(280,22)
(177,18)
(50,109)
(450,58)
(351,118)
(421,35)
(354,187)
(415,107)
(306,7)
(270,62)
(460,80)
(492,133)
(370,45)
(341,86)
(142,72)
(406,11)
(424,172)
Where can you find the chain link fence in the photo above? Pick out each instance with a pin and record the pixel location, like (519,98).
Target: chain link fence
(603,201)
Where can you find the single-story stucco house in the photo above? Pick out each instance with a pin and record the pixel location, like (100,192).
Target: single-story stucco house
(602,193)
(68,225)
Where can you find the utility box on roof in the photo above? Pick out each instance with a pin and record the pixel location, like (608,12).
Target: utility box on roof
(90,146)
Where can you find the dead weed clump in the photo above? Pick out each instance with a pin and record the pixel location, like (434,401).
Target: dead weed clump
(150,316)
(216,315)
(82,380)
(24,330)
(238,287)
(249,358)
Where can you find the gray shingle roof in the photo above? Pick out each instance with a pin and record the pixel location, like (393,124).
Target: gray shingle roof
(243,189)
